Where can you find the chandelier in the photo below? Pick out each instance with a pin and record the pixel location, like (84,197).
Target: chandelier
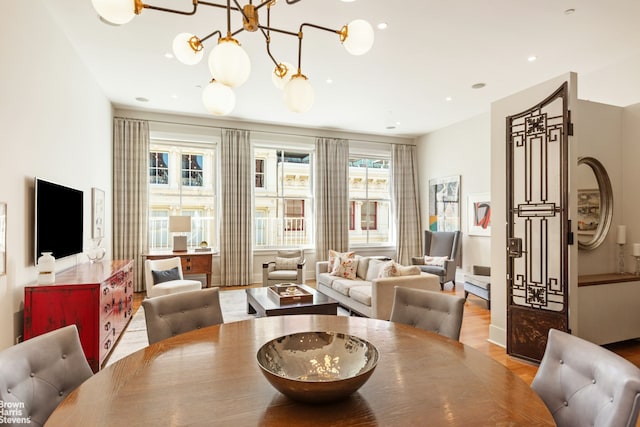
(229,64)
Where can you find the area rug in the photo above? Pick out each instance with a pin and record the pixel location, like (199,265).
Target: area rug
(234,308)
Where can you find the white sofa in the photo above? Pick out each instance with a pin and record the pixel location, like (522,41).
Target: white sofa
(371,298)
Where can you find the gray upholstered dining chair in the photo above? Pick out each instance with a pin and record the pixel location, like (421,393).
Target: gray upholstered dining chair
(440,244)
(584,384)
(432,311)
(288,267)
(174,314)
(40,372)
(164,277)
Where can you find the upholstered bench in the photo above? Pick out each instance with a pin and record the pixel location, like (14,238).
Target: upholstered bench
(479,283)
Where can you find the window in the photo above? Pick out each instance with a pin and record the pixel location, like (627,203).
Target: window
(283,211)
(259,173)
(192,170)
(370,201)
(182,183)
(158,167)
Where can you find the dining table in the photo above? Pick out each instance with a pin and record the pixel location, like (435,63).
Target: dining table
(211,376)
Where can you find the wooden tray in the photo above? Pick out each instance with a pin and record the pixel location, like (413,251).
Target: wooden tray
(289,294)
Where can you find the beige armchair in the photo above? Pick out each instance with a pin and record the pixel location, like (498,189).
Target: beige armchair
(164,277)
(288,267)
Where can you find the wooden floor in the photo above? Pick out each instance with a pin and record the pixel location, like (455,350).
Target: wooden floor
(475,332)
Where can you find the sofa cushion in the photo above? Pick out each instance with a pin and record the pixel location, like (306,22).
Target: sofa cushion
(363,266)
(344,286)
(345,268)
(438,261)
(362,294)
(326,279)
(438,271)
(333,255)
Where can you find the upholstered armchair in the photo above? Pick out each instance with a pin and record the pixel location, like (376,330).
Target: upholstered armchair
(40,372)
(440,244)
(164,277)
(288,267)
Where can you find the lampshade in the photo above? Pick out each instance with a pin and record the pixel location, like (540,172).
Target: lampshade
(183,50)
(359,37)
(229,63)
(298,94)
(115,11)
(218,99)
(179,224)
(281,81)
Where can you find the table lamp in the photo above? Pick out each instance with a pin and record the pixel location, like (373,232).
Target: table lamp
(179,224)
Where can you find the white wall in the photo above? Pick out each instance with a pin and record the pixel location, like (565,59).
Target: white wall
(460,149)
(56,125)
(630,195)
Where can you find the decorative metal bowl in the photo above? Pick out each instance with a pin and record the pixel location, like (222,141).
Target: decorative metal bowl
(317,367)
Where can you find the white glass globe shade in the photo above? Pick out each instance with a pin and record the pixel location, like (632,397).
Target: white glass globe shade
(298,94)
(280,82)
(359,37)
(183,51)
(218,99)
(229,63)
(115,11)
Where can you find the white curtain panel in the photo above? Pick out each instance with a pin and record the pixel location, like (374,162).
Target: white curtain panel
(236,208)
(332,196)
(406,202)
(130,192)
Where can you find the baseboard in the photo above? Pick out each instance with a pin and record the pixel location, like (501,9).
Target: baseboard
(497,336)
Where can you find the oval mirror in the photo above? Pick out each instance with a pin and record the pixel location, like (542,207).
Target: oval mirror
(595,203)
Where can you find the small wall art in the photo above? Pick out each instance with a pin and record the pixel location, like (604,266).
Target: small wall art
(97,213)
(444,204)
(3,238)
(479,214)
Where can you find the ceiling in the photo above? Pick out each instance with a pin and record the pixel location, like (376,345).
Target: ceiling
(417,78)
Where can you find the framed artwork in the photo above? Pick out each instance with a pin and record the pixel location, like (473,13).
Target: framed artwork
(479,214)
(97,213)
(444,204)
(3,238)
(588,211)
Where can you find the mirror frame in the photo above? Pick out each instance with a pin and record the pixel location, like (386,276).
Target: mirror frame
(606,203)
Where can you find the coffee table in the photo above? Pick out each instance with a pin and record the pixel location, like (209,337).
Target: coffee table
(260,303)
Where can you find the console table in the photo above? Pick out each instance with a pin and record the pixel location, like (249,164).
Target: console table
(192,262)
(96,297)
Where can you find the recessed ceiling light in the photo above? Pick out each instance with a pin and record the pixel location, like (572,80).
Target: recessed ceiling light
(478,85)
(382,26)
(142,99)
(174,96)
(448,98)
(532,58)
(390,127)
(168,55)
(569,11)
(329,80)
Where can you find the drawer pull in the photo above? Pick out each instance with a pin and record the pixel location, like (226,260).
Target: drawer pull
(107,345)
(107,326)
(105,291)
(107,307)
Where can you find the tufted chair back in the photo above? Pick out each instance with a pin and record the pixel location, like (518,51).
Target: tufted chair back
(433,311)
(174,314)
(37,374)
(584,384)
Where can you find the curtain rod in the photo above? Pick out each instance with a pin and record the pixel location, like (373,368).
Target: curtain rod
(261,131)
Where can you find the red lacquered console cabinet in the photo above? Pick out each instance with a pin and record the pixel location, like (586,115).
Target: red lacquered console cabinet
(97,297)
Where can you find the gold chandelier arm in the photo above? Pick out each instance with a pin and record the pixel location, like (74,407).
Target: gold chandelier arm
(211,35)
(139,5)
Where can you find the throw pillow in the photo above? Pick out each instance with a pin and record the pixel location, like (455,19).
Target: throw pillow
(408,270)
(373,272)
(435,260)
(287,263)
(346,268)
(160,276)
(388,269)
(333,255)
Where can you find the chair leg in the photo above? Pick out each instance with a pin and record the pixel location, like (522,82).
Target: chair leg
(466,294)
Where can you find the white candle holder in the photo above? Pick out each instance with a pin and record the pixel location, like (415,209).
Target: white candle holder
(621,269)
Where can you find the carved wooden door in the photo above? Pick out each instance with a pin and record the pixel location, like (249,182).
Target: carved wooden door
(537,225)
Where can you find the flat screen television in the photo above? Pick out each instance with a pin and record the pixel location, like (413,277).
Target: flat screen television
(58,219)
